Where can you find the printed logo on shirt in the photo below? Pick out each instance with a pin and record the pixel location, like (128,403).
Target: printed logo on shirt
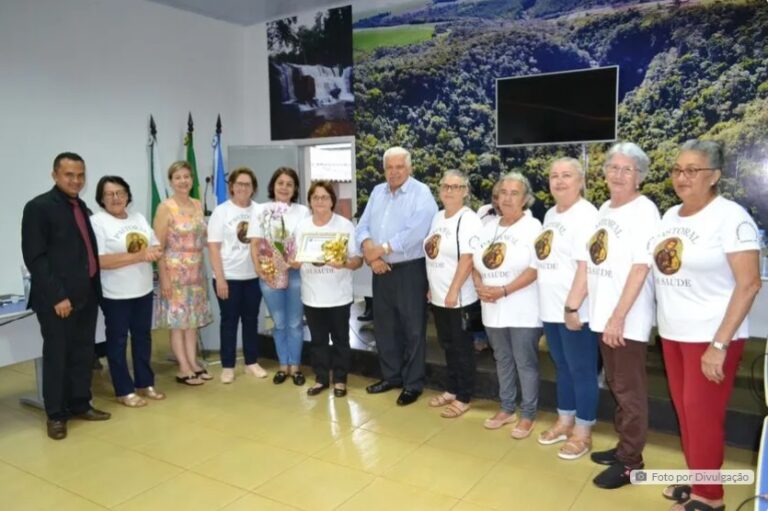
(242,231)
(668,256)
(543,244)
(432,246)
(746,233)
(135,241)
(493,255)
(598,247)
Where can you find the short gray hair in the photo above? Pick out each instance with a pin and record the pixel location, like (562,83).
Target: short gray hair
(517,176)
(397,151)
(455,173)
(714,151)
(634,153)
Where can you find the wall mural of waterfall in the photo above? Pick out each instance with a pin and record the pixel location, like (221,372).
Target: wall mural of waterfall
(310,75)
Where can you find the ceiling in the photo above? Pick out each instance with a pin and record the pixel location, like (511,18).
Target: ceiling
(249,12)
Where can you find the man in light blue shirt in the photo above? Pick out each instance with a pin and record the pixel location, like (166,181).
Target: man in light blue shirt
(392,230)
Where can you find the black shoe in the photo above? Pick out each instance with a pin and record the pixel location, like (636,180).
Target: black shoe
(407,397)
(366,316)
(615,476)
(57,430)
(379,387)
(298,379)
(279,377)
(94,415)
(316,389)
(339,392)
(604,457)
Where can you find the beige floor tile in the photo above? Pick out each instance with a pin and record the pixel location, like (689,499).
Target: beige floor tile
(385,495)
(368,451)
(629,497)
(440,471)
(526,488)
(315,485)
(463,505)
(470,437)
(304,435)
(407,423)
(187,446)
(248,464)
(188,492)
(118,477)
(252,502)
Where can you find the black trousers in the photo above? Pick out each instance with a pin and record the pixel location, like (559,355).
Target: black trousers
(459,352)
(68,359)
(400,323)
(334,322)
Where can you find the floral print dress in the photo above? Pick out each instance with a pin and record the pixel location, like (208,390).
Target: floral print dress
(188,306)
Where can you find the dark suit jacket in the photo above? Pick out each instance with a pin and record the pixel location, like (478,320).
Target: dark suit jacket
(55,253)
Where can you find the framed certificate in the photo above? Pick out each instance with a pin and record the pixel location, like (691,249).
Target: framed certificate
(322,247)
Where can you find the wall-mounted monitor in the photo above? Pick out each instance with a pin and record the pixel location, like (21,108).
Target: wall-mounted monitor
(566,107)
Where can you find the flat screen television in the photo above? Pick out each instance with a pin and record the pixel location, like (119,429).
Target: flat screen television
(566,107)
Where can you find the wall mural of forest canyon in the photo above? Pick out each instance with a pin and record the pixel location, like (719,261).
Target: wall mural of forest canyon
(425,72)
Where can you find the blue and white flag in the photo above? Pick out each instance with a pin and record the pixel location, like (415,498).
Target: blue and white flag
(219,180)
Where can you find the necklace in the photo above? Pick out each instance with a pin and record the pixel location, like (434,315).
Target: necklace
(496,234)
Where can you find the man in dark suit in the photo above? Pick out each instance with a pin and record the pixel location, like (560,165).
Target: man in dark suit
(60,251)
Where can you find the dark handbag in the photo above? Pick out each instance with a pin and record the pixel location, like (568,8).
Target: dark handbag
(471,315)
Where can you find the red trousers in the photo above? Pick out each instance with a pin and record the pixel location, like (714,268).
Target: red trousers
(700,406)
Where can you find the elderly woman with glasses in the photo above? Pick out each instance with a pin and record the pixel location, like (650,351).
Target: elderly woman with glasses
(127,248)
(621,307)
(706,274)
(506,285)
(449,246)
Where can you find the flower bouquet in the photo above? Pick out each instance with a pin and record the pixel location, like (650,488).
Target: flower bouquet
(277,247)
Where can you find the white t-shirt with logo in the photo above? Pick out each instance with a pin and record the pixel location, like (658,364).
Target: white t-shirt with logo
(289,219)
(694,282)
(118,236)
(442,259)
(619,240)
(229,225)
(563,237)
(503,254)
(325,286)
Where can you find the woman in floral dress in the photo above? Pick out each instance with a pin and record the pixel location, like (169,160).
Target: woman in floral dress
(183,302)
(273,248)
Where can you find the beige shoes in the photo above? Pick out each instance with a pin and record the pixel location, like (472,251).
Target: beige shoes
(227,375)
(499,420)
(151,393)
(256,370)
(522,429)
(132,400)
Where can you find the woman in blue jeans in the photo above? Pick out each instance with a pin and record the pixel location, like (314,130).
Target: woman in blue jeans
(564,309)
(127,247)
(273,246)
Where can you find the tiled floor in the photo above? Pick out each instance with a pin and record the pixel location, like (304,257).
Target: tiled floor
(253,445)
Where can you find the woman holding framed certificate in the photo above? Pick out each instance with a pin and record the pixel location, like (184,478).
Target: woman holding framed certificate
(327,255)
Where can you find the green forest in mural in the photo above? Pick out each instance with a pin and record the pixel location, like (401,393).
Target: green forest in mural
(688,69)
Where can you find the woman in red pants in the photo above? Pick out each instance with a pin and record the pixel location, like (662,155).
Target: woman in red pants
(706,275)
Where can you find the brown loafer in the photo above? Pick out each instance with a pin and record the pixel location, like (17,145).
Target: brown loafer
(94,415)
(57,430)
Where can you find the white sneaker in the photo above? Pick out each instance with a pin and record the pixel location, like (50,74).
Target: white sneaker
(256,370)
(227,375)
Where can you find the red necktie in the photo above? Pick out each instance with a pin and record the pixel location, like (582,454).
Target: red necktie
(80,221)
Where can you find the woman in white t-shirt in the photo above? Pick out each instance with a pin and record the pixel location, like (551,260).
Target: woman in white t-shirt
(326,289)
(452,239)
(621,304)
(487,213)
(235,280)
(506,285)
(567,227)
(273,247)
(706,260)
(127,247)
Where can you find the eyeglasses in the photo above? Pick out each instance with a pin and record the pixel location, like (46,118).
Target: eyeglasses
(115,195)
(452,188)
(321,198)
(243,185)
(689,172)
(618,170)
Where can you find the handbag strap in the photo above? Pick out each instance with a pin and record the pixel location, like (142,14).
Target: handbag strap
(458,255)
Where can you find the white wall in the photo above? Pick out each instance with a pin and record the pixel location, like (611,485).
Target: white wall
(84,75)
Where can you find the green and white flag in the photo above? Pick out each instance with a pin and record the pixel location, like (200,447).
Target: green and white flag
(156,172)
(189,142)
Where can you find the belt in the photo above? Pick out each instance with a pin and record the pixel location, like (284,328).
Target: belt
(403,264)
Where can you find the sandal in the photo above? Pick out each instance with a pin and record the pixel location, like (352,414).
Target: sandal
(677,492)
(559,432)
(519,433)
(454,409)
(575,448)
(203,375)
(443,399)
(190,379)
(497,422)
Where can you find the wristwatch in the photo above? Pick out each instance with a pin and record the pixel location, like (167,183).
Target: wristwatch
(720,346)
(387,249)
(569,310)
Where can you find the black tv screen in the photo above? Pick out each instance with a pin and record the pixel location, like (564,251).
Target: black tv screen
(557,108)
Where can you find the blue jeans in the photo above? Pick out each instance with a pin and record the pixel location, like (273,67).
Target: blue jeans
(120,316)
(287,312)
(575,357)
(242,305)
